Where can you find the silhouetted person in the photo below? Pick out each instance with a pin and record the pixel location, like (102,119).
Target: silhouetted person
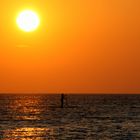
(62,100)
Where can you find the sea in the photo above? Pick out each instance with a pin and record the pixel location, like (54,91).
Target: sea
(83,117)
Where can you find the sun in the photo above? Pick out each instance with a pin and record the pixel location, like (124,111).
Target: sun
(28,21)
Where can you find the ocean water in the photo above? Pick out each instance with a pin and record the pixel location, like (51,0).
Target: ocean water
(84,117)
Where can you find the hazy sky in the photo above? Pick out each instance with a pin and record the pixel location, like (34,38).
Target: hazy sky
(81,46)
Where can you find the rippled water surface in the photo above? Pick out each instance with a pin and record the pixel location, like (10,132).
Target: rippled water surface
(84,117)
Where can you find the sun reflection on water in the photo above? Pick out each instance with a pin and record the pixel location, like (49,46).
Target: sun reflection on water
(26,108)
(26,119)
(26,133)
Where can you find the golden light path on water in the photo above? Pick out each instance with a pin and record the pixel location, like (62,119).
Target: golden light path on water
(26,111)
(29,133)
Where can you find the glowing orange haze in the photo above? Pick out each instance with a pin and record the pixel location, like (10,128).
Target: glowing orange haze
(82,46)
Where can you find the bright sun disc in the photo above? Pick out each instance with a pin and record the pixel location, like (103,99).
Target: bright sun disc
(28,21)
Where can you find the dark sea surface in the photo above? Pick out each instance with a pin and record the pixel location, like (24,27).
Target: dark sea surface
(84,117)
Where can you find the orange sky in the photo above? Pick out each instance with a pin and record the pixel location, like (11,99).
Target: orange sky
(81,46)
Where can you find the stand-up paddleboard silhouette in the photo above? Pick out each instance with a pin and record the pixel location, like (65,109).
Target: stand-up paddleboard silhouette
(62,100)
